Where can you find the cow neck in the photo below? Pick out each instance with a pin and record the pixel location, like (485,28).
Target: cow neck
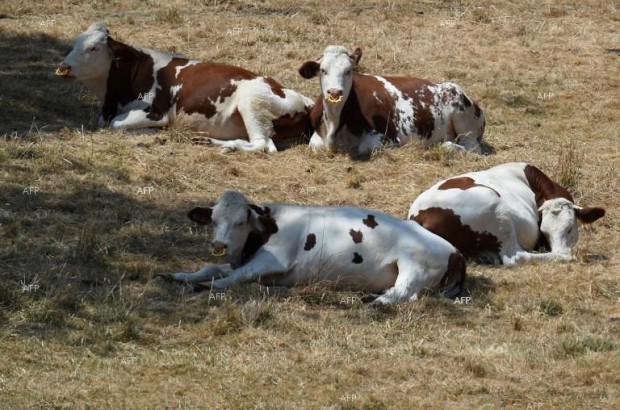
(131,71)
(265,225)
(349,114)
(97,85)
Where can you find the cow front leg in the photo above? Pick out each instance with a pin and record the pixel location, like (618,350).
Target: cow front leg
(524,257)
(136,119)
(205,274)
(316,142)
(259,144)
(263,264)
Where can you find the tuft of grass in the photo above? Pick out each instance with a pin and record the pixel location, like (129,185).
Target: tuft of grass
(578,346)
(170,16)
(569,167)
(550,307)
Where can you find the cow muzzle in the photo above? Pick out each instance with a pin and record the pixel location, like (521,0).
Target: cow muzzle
(334,96)
(218,249)
(63,70)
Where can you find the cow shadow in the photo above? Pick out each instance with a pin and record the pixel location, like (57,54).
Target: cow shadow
(33,98)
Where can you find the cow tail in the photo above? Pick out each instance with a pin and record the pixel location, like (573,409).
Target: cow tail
(453,281)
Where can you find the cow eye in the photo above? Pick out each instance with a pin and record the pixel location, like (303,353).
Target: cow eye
(347,72)
(93,48)
(323,71)
(239,223)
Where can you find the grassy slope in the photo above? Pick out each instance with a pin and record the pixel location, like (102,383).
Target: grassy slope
(100,331)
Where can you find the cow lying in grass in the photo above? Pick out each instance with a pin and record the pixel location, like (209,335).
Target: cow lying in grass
(503,212)
(358,113)
(142,88)
(347,248)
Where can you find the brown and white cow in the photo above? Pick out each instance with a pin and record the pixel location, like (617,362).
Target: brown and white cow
(503,212)
(142,88)
(343,247)
(358,113)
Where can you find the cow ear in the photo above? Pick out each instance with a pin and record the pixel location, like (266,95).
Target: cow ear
(589,214)
(309,69)
(201,215)
(356,56)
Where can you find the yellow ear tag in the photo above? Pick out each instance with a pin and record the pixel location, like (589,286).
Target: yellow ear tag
(222,253)
(62,71)
(334,100)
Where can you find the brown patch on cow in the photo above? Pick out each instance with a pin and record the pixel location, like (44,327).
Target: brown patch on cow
(477,110)
(276,88)
(267,222)
(130,76)
(448,225)
(357,236)
(357,258)
(463,183)
(466,102)
(543,187)
(293,129)
(310,242)
(370,222)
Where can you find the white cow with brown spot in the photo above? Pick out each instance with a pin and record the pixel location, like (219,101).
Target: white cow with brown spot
(346,248)
(504,213)
(141,88)
(358,113)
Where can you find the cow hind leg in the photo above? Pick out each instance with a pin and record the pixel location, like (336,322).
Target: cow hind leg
(410,281)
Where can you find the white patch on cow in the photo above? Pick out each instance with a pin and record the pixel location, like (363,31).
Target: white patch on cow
(179,68)
(174,90)
(377,99)
(396,256)
(404,113)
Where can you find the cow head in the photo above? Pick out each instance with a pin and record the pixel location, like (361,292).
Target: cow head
(335,70)
(559,223)
(89,59)
(235,223)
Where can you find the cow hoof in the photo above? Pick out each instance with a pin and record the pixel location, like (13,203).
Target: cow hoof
(369,298)
(202,140)
(166,276)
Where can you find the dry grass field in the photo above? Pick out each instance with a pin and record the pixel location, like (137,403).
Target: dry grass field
(88,217)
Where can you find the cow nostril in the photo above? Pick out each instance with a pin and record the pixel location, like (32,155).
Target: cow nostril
(334,92)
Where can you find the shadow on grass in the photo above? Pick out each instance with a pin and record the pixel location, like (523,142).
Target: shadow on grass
(32,97)
(63,251)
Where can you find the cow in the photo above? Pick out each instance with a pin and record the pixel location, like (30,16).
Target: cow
(503,213)
(358,113)
(141,88)
(341,247)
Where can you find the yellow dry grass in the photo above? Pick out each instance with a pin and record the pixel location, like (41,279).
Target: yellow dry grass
(86,325)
